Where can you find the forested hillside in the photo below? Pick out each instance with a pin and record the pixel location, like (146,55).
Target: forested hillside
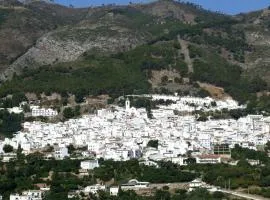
(165,46)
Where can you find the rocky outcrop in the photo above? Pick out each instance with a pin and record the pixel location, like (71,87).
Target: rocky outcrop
(170,9)
(66,45)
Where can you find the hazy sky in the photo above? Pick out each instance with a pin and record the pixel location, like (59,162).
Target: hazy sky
(226,6)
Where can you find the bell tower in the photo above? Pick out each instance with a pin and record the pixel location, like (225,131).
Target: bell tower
(127,103)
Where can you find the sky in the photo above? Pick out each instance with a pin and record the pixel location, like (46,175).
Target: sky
(224,6)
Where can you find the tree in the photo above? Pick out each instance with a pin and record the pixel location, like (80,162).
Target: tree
(153,143)
(26,108)
(178,80)
(190,161)
(68,113)
(17,98)
(267,146)
(162,195)
(77,110)
(79,95)
(10,122)
(71,148)
(213,103)
(164,79)
(257,84)
(265,182)
(65,101)
(218,195)
(149,112)
(198,194)
(20,155)
(165,187)
(7,148)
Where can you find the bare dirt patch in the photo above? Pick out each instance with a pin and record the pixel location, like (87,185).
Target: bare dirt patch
(216,92)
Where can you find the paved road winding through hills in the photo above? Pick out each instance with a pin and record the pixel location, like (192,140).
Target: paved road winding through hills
(243,195)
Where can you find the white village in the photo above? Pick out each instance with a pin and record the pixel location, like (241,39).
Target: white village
(123,133)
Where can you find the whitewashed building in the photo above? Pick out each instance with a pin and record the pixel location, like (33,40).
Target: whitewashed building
(94,188)
(208,159)
(27,195)
(134,184)
(61,152)
(89,164)
(37,112)
(114,190)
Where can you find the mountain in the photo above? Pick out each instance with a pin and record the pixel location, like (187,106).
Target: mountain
(23,24)
(257,32)
(164,45)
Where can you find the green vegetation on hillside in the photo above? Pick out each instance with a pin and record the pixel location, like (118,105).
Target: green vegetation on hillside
(123,171)
(114,75)
(161,194)
(212,68)
(242,175)
(17,176)
(111,76)
(70,113)
(10,123)
(132,18)
(13,101)
(94,73)
(3,15)
(129,73)
(259,105)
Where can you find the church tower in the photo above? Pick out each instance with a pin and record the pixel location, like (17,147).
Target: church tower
(127,104)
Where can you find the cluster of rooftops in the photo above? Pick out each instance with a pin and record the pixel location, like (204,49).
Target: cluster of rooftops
(122,133)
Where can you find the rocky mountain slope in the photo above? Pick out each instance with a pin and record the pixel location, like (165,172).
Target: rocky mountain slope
(165,44)
(23,24)
(47,33)
(257,30)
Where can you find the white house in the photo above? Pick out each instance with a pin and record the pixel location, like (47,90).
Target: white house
(253,162)
(34,194)
(89,164)
(36,112)
(114,191)
(72,195)
(18,197)
(61,152)
(177,160)
(16,110)
(1,147)
(208,159)
(205,140)
(9,156)
(27,195)
(26,146)
(149,163)
(94,188)
(196,183)
(134,184)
